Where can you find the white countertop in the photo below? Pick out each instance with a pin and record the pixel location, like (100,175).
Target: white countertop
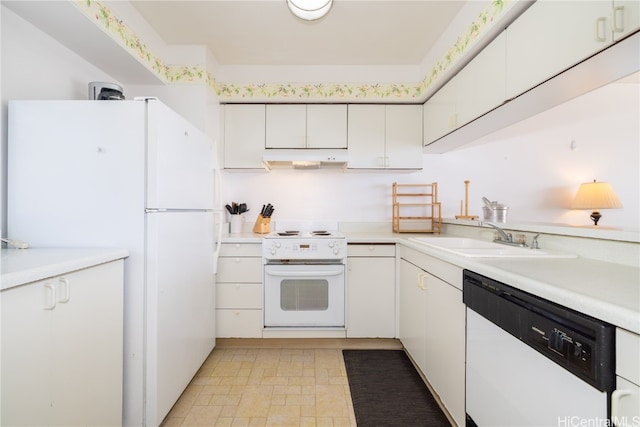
(20,266)
(604,290)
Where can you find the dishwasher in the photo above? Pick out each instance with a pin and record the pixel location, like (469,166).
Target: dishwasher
(531,362)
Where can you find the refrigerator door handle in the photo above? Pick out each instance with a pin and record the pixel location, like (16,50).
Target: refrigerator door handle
(217,204)
(218,238)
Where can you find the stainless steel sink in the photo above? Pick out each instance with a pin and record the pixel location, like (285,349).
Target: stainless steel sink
(481,249)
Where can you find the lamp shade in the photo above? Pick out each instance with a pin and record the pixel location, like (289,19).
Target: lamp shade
(596,195)
(309,10)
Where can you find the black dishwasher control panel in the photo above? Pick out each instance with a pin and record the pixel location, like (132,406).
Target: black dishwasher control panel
(581,344)
(561,342)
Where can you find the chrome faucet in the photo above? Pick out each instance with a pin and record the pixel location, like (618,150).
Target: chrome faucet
(505,238)
(534,242)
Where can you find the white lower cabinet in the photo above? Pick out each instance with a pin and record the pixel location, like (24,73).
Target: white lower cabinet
(625,401)
(432,325)
(239,291)
(62,349)
(371,291)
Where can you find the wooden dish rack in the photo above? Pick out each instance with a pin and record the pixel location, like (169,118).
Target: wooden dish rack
(416,208)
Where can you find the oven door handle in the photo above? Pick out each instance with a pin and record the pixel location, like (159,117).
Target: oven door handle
(318,273)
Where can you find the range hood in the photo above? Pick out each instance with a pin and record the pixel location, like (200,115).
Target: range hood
(305,158)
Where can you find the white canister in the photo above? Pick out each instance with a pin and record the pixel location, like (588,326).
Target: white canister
(236,223)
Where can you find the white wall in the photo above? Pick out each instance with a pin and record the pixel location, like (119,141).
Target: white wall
(530,167)
(35,66)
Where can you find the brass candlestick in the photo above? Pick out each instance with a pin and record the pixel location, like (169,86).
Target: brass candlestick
(466,204)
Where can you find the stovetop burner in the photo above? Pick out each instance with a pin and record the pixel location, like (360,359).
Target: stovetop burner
(305,234)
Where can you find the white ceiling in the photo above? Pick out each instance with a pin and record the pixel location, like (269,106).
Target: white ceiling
(264,32)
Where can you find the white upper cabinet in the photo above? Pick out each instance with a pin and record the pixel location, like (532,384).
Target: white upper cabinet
(477,88)
(552,36)
(440,112)
(306,126)
(286,126)
(366,136)
(244,136)
(403,145)
(625,18)
(480,86)
(385,136)
(549,38)
(327,126)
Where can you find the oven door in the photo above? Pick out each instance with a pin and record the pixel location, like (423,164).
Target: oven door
(302,295)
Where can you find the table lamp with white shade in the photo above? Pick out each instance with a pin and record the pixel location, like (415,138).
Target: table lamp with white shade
(595,196)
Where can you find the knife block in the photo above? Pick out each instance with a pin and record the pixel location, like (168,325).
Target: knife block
(262,225)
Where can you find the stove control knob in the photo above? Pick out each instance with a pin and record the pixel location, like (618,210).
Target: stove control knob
(273,251)
(336,251)
(278,244)
(332,244)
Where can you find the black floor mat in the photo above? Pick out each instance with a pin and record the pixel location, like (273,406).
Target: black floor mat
(387,390)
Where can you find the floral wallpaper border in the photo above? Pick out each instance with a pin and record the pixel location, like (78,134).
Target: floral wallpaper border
(230,92)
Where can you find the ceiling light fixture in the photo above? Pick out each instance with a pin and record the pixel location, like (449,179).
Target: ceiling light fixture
(596,195)
(309,10)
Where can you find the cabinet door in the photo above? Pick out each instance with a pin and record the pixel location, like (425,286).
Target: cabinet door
(326,126)
(445,344)
(481,84)
(625,18)
(440,113)
(62,349)
(244,136)
(86,351)
(366,136)
(551,36)
(403,145)
(371,297)
(26,341)
(286,126)
(412,309)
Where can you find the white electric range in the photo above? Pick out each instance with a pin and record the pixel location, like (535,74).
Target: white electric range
(304,277)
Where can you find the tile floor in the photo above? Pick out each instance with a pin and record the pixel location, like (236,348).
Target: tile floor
(272,382)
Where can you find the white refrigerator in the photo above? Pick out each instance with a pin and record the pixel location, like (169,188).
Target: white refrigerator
(134,175)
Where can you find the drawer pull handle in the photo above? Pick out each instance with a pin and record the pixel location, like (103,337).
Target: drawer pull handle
(615,402)
(64,284)
(601,24)
(422,281)
(49,297)
(618,12)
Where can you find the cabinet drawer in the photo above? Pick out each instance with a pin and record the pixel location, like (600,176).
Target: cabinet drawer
(450,273)
(239,295)
(371,250)
(241,249)
(239,323)
(627,355)
(239,270)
